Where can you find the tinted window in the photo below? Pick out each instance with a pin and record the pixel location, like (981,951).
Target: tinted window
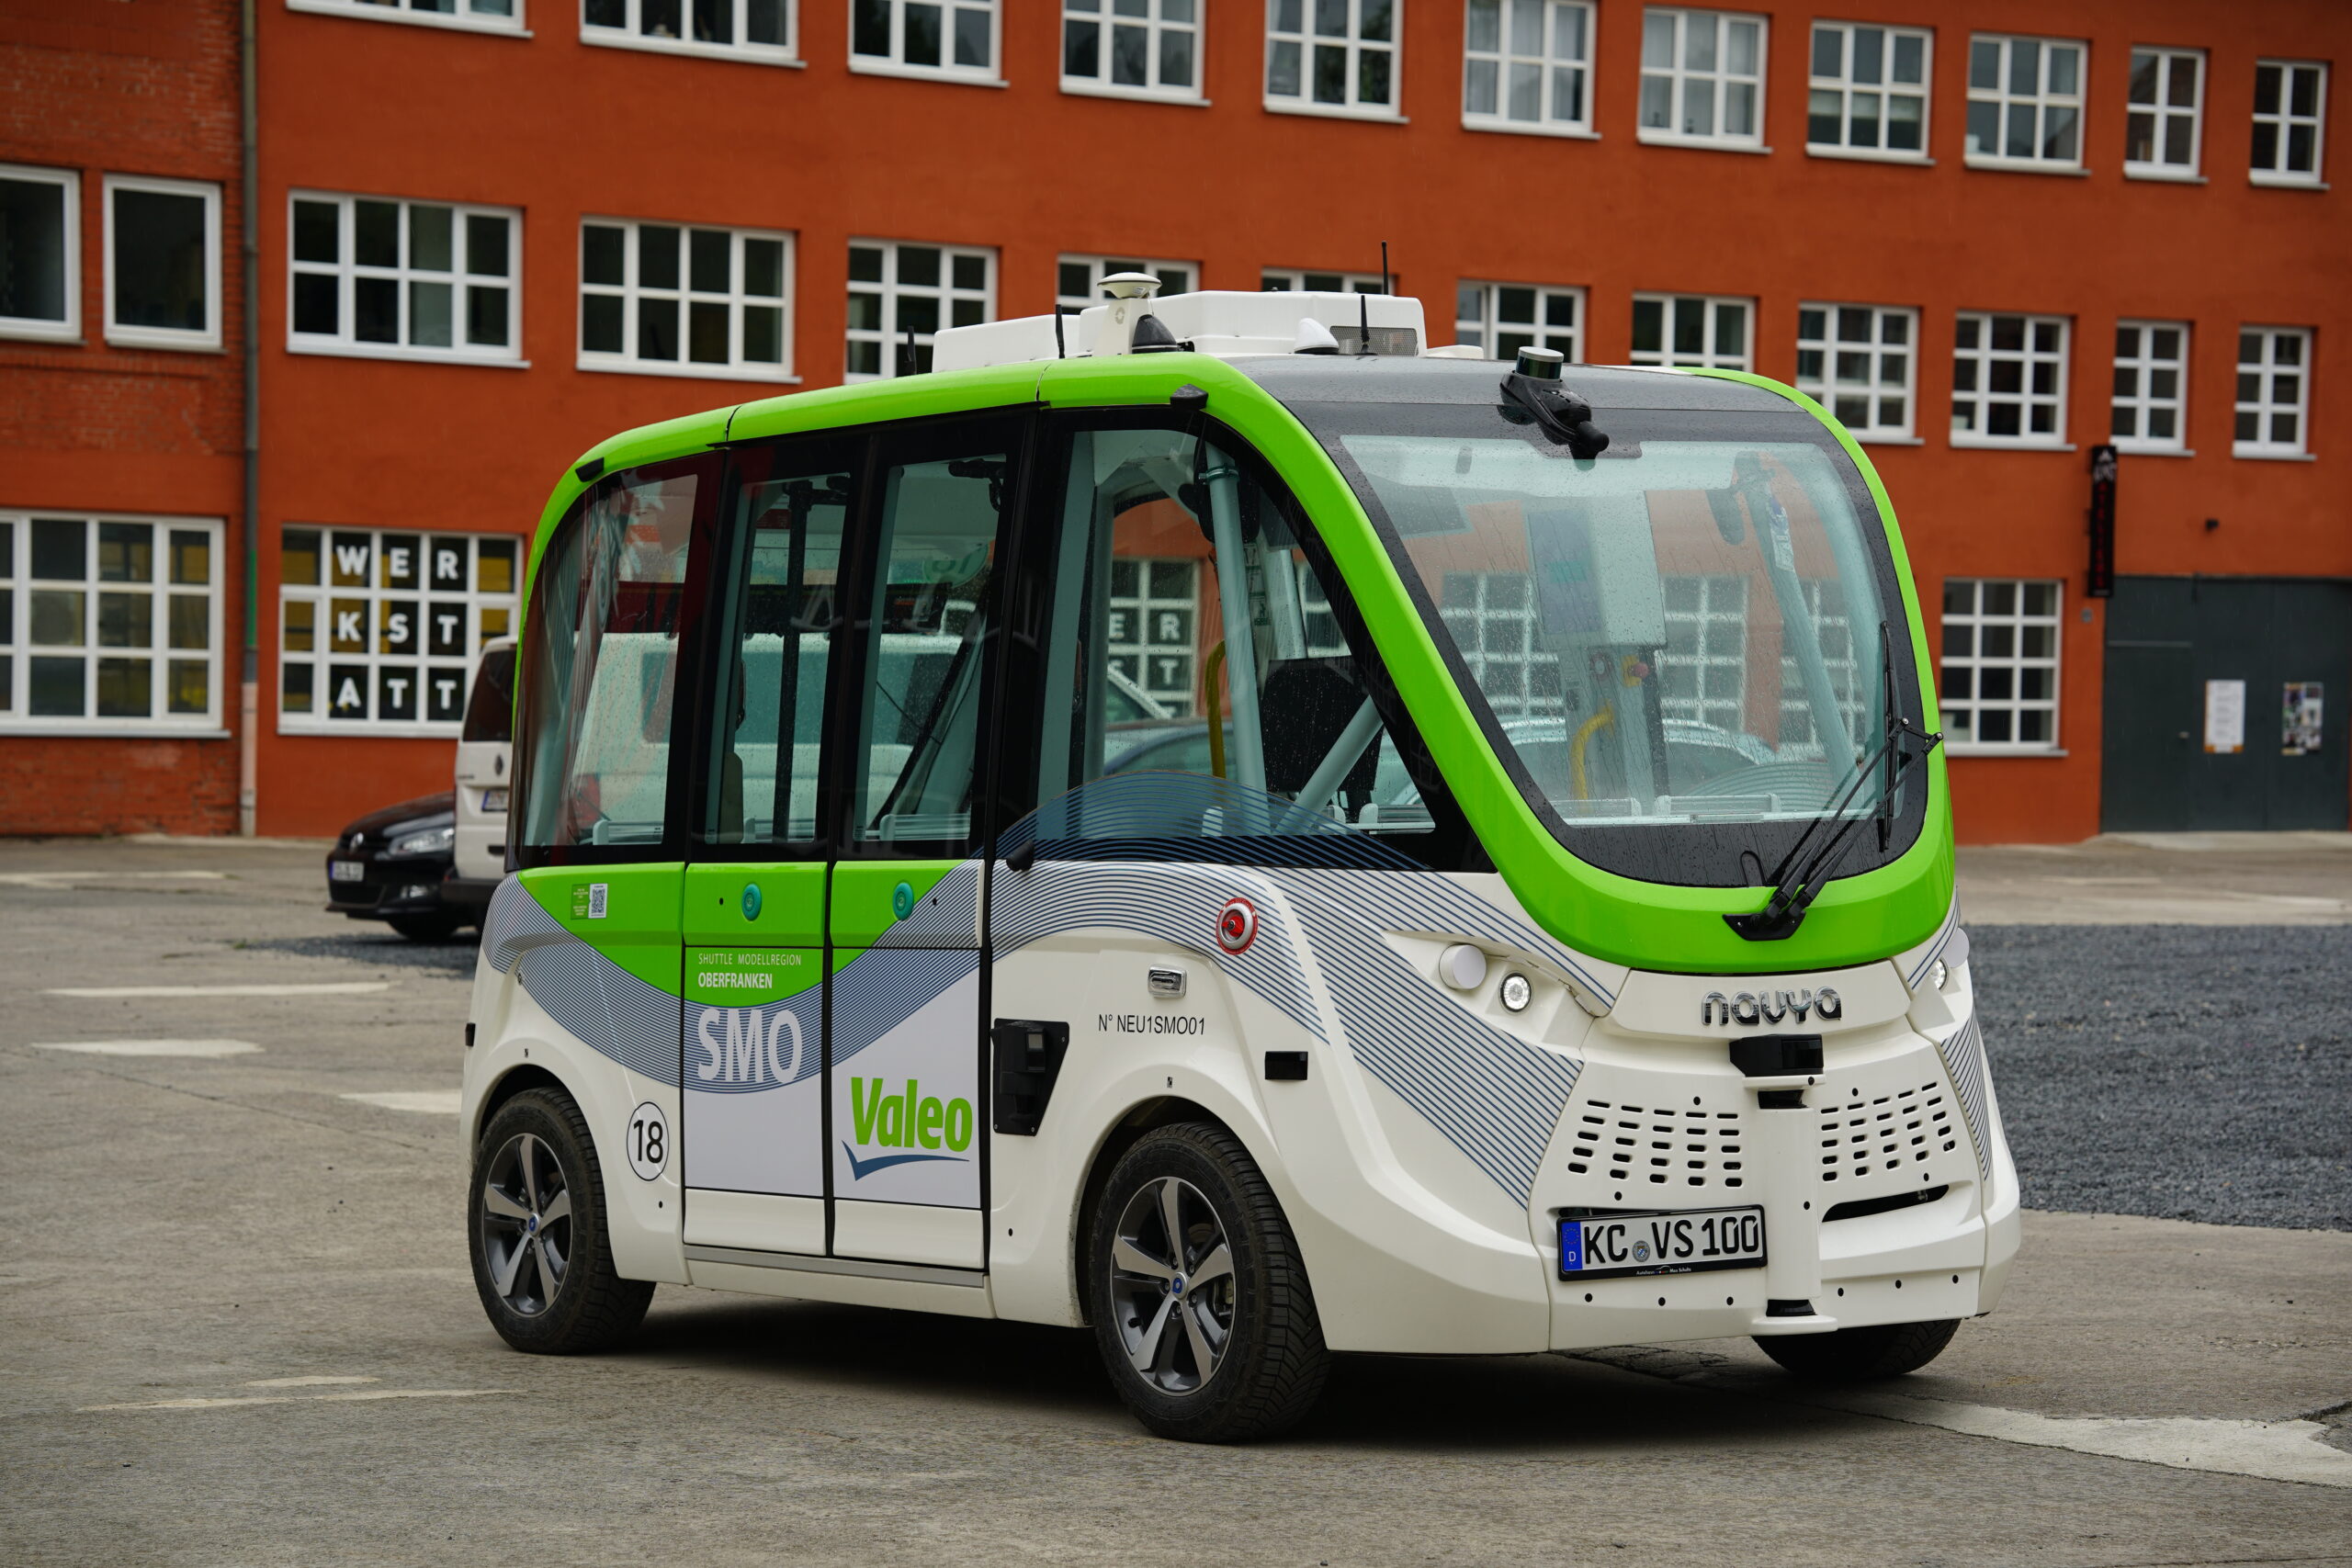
(489,712)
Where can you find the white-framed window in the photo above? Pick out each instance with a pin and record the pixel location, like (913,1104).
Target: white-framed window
(1078,280)
(1703,77)
(2289,123)
(953,38)
(162,262)
(1862,363)
(2025,102)
(1500,319)
(1333,56)
(1132,49)
(2008,379)
(899,294)
(378,627)
(2165,127)
(680,299)
(1696,330)
(1153,627)
(2274,392)
(41,252)
(742,29)
(1868,95)
(1702,674)
(1833,633)
(2150,411)
(382,277)
(1527,65)
(1283,280)
(1492,617)
(109,622)
(471,16)
(1999,687)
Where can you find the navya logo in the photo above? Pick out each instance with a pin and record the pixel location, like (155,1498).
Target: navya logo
(902,1119)
(1748,1009)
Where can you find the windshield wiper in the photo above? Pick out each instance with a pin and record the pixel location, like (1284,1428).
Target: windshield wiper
(1798,880)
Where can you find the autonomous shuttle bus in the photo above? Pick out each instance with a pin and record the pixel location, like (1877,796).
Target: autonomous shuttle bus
(1212,821)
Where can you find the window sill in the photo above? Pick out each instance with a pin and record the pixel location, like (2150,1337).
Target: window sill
(2163,176)
(361,728)
(1997,443)
(1079,87)
(2024,166)
(407,355)
(1521,128)
(684,372)
(1334,111)
(1868,155)
(1873,438)
(2129,450)
(36,331)
(1997,749)
(501,27)
(1698,143)
(174,342)
(606,38)
(152,729)
(953,76)
(2285,182)
(2258,454)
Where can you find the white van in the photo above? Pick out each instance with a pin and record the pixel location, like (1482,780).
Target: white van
(485,758)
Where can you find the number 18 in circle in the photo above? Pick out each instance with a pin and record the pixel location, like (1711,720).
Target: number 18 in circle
(649,1140)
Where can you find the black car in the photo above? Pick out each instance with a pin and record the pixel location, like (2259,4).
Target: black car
(389,866)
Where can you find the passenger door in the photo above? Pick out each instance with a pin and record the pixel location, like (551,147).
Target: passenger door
(904,1097)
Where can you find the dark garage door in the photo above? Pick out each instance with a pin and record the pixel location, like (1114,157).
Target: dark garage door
(2166,636)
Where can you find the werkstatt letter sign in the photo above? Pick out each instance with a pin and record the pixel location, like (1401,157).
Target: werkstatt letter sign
(2225,715)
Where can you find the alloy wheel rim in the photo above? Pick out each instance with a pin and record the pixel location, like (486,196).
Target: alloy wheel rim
(1172,1285)
(525,1224)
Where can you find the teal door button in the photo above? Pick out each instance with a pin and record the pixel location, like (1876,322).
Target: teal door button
(902,900)
(751,900)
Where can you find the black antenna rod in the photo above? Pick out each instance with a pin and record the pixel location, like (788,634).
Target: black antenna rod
(1059,353)
(1387,285)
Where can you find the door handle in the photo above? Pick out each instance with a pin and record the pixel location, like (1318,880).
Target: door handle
(1029,1054)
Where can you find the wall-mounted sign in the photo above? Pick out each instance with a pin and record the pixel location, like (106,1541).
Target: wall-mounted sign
(2225,716)
(2299,727)
(2101,578)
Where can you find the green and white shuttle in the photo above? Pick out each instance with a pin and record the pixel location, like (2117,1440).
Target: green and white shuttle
(1212,821)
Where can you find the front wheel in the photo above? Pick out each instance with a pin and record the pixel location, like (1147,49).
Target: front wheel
(1199,1298)
(1860,1354)
(543,1259)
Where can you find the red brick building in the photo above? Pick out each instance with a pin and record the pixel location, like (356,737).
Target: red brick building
(1993,237)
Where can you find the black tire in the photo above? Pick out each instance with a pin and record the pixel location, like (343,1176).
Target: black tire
(425,928)
(561,1297)
(1860,1354)
(1269,1365)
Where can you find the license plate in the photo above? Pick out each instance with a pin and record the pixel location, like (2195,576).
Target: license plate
(494,800)
(1687,1241)
(347,871)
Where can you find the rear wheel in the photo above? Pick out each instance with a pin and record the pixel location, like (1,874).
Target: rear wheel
(1860,1354)
(1199,1298)
(543,1259)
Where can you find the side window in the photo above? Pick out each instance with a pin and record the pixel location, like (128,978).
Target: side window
(938,518)
(600,662)
(489,712)
(1199,680)
(792,508)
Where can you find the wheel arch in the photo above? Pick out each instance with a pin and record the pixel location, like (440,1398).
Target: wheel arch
(1146,1116)
(519,1078)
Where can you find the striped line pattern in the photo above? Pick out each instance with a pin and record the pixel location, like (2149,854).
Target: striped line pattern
(1963,1056)
(515,921)
(1162,817)
(953,920)
(882,987)
(604,1007)
(1936,945)
(1425,900)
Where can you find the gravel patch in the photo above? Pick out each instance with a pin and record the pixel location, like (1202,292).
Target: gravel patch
(2179,1072)
(371,944)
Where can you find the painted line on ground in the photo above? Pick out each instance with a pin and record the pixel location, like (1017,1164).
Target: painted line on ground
(312,1381)
(150,1047)
(235,1401)
(329,988)
(58,879)
(422,1101)
(2295,1450)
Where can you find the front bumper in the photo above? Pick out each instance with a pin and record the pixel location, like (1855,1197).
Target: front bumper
(388,888)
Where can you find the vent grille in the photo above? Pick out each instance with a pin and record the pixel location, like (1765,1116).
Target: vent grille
(1667,1148)
(1886,1132)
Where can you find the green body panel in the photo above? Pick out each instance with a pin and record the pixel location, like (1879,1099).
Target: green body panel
(747,977)
(792,903)
(1858,919)
(639,930)
(866,894)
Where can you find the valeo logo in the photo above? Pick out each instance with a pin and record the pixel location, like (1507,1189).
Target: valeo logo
(902,1118)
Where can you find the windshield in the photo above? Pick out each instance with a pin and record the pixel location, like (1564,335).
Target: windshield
(1678,646)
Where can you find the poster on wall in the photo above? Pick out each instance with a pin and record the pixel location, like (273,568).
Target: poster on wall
(2299,727)
(2224,716)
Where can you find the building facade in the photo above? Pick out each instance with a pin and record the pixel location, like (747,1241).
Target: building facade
(1991,238)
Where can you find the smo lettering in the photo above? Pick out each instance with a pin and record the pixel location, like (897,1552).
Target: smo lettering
(741,1048)
(904,1120)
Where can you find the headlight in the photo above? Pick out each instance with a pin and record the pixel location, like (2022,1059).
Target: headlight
(432,840)
(1517,993)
